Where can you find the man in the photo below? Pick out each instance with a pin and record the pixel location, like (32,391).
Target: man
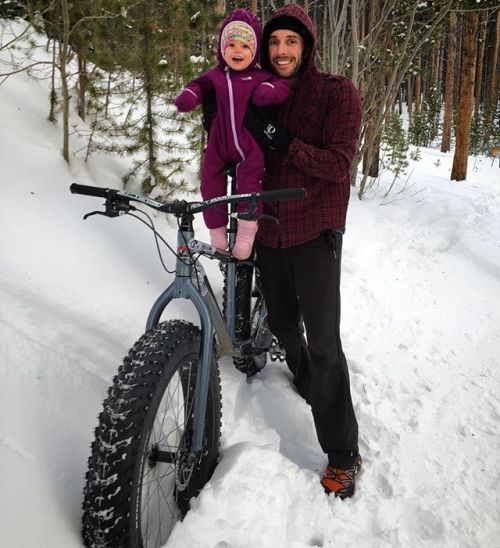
(311,145)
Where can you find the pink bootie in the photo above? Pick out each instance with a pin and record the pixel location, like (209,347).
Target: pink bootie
(218,237)
(245,236)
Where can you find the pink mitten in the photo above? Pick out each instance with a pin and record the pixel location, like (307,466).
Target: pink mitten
(187,100)
(245,237)
(218,237)
(271,93)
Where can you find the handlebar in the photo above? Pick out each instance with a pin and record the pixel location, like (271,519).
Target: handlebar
(119,200)
(89,190)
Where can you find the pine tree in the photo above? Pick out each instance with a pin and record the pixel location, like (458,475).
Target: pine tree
(395,147)
(144,78)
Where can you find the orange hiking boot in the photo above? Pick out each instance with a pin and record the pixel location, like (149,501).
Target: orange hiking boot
(341,482)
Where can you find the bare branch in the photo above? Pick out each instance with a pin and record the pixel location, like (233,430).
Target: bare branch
(10,42)
(6,75)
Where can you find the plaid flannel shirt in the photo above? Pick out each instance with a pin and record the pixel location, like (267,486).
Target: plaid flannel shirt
(324,117)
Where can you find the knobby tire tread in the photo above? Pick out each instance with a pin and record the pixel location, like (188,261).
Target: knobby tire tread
(112,480)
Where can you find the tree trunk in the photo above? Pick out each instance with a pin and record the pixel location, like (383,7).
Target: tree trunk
(337,22)
(409,97)
(459,169)
(355,43)
(82,83)
(418,90)
(425,76)
(371,157)
(436,66)
(53,94)
(108,96)
(458,61)
(494,76)
(450,79)
(324,39)
(483,27)
(63,59)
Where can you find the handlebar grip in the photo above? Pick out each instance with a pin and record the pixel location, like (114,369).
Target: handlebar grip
(89,190)
(285,194)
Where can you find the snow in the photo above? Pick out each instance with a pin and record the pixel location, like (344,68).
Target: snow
(420,325)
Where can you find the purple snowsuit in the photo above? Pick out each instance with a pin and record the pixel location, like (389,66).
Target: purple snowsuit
(229,141)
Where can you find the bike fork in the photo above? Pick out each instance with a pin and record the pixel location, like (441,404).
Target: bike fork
(183,288)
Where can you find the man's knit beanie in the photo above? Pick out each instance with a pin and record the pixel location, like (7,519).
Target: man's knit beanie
(285,22)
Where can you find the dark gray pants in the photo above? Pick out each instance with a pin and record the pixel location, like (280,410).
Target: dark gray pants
(302,288)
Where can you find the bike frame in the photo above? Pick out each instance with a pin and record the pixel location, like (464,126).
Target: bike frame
(202,296)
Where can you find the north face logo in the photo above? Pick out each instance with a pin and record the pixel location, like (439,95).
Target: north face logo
(247,77)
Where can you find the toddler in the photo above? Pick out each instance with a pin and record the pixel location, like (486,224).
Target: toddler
(236,81)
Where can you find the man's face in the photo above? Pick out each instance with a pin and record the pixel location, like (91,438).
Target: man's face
(285,52)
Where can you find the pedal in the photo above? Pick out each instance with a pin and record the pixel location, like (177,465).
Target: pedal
(277,351)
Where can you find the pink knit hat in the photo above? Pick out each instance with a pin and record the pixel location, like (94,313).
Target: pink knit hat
(238,30)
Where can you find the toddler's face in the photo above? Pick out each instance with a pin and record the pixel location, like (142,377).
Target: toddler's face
(238,55)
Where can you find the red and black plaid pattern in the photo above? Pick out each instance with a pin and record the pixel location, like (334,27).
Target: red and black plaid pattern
(324,115)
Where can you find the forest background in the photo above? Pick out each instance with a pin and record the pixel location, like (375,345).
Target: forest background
(428,73)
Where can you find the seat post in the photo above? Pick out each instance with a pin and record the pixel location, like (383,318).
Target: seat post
(233,222)
(231,267)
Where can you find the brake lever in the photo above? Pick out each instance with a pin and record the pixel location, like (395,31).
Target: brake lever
(106,214)
(113,209)
(249,214)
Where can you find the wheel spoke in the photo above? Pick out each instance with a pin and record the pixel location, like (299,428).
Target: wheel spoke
(158,512)
(167,405)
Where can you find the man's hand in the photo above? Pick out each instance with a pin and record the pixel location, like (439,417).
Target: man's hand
(268,135)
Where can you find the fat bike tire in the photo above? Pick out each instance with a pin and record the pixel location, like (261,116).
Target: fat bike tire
(139,483)
(248,304)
